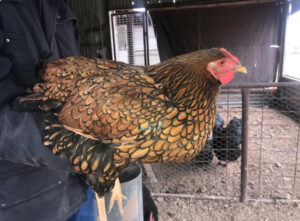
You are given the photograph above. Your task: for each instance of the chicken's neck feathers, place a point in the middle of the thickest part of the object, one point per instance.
(184, 87)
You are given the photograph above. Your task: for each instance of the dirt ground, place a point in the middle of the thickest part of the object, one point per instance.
(273, 174)
(174, 209)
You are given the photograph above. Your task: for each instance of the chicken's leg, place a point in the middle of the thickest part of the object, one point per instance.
(101, 208)
(117, 196)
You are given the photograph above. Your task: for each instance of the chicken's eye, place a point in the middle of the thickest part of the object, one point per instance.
(222, 62)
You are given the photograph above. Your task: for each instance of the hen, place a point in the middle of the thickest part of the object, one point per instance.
(225, 142)
(107, 114)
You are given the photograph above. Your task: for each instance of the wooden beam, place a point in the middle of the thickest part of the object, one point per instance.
(151, 175)
(282, 32)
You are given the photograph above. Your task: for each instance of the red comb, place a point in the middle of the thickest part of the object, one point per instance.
(229, 55)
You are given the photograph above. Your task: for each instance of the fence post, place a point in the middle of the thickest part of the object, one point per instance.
(146, 39)
(244, 163)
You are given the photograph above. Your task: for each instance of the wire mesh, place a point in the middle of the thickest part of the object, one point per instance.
(273, 143)
(129, 42)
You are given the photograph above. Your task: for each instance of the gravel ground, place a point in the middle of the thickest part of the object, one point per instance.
(174, 209)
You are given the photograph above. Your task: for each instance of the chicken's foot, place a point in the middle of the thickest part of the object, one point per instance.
(117, 196)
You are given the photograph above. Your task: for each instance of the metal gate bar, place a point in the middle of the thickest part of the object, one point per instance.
(244, 162)
(198, 197)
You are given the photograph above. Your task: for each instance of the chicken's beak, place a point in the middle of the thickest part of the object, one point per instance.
(241, 69)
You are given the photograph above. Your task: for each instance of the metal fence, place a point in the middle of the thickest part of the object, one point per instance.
(256, 160)
(132, 37)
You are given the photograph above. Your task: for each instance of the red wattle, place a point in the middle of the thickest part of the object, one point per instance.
(226, 78)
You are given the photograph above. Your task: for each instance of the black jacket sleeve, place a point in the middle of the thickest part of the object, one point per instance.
(21, 142)
(20, 132)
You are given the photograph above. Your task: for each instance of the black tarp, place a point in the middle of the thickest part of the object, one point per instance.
(248, 31)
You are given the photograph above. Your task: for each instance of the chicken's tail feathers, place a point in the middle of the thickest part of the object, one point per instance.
(43, 59)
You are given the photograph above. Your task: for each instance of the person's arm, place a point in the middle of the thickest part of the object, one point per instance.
(20, 132)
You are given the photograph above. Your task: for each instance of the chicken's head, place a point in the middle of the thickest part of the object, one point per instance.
(224, 68)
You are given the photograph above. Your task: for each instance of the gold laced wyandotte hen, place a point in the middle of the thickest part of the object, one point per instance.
(108, 114)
